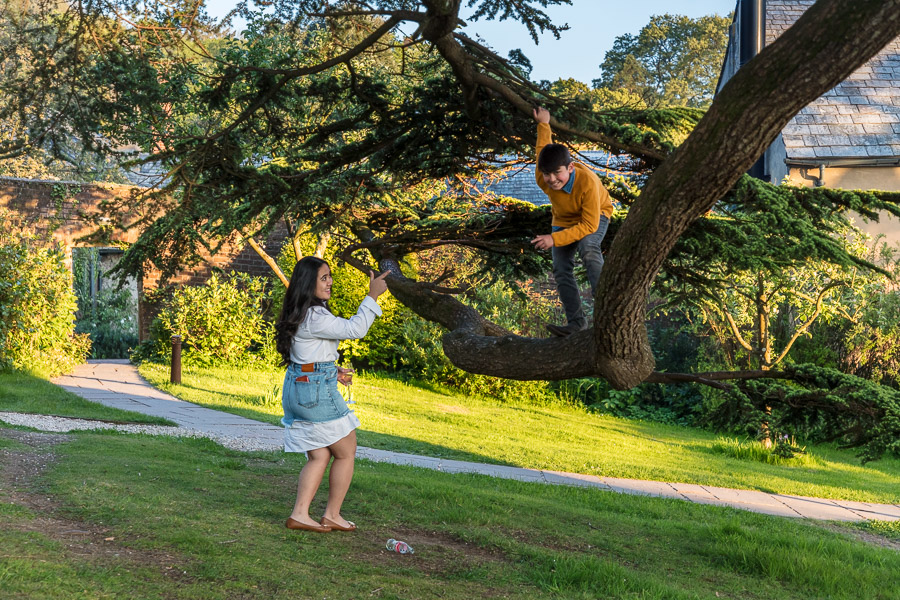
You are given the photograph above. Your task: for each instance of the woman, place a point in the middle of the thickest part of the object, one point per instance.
(316, 418)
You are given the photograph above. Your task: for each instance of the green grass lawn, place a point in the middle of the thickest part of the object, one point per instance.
(187, 519)
(33, 393)
(403, 418)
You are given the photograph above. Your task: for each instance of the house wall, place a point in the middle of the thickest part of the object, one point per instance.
(775, 156)
(858, 178)
(731, 63)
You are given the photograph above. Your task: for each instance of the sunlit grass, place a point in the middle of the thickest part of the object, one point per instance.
(756, 450)
(399, 417)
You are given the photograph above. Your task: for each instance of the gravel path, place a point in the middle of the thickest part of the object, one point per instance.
(66, 424)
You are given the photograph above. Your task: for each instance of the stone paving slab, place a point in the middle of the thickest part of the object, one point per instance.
(881, 512)
(753, 500)
(637, 487)
(819, 508)
(459, 466)
(691, 491)
(398, 458)
(119, 385)
(508, 472)
(576, 479)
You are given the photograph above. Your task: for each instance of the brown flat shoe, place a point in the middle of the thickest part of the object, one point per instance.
(292, 524)
(326, 522)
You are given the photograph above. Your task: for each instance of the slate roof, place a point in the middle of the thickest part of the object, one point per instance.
(859, 118)
(520, 183)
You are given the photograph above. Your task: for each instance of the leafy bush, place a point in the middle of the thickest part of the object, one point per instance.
(672, 404)
(870, 346)
(37, 305)
(221, 321)
(111, 325)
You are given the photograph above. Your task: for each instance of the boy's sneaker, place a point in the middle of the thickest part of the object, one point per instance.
(569, 329)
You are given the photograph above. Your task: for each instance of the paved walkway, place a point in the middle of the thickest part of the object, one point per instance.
(118, 384)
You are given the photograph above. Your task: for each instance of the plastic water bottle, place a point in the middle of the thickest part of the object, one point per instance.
(398, 546)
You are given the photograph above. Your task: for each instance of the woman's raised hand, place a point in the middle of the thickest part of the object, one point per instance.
(377, 285)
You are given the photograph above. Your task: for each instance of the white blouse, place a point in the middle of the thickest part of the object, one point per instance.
(316, 340)
(317, 337)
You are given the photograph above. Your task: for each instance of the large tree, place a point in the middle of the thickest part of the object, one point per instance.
(332, 113)
(241, 159)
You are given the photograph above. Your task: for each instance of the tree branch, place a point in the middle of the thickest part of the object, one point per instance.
(802, 329)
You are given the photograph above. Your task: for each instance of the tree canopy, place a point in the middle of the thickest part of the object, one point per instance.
(673, 61)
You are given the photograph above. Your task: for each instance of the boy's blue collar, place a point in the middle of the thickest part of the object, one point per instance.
(569, 184)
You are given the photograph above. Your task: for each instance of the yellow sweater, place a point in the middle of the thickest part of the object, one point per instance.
(578, 213)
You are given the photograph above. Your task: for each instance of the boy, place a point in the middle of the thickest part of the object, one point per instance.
(581, 211)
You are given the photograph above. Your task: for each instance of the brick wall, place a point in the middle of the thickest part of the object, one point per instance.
(63, 210)
(231, 257)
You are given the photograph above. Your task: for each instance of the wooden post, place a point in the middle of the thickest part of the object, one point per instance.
(175, 375)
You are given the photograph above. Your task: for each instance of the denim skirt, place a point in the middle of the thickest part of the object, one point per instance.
(312, 396)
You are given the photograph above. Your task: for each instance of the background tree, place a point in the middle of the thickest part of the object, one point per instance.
(673, 61)
(47, 129)
(756, 314)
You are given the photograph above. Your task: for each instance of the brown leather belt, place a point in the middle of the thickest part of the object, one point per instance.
(311, 367)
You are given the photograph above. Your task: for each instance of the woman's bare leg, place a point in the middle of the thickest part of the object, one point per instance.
(344, 452)
(310, 479)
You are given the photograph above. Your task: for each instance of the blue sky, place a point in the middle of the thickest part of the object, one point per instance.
(594, 26)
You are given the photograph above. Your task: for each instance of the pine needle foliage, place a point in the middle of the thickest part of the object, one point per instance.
(824, 403)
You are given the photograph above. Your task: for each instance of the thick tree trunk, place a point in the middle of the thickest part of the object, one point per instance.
(830, 41)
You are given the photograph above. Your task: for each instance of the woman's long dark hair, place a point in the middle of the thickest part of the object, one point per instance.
(299, 297)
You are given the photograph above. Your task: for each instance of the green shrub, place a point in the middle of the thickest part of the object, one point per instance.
(221, 321)
(111, 325)
(37, 305)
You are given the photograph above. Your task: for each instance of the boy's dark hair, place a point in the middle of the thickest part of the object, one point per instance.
(552, 157)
